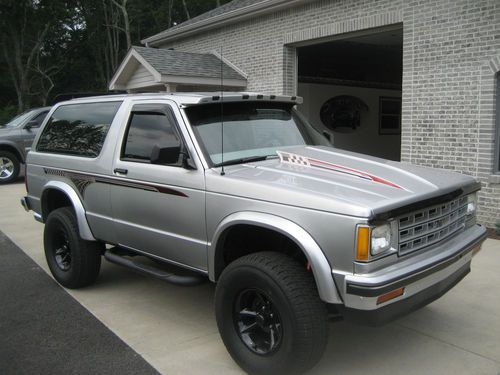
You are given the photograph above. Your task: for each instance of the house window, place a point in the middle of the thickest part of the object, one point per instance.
(497, 116)
(389, 115)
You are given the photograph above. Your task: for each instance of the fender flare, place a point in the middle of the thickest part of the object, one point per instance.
(322, 270)
(83, 225)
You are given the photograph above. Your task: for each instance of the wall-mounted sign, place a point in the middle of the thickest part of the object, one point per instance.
(342, 113)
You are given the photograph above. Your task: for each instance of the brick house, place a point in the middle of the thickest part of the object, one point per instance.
(422, 77)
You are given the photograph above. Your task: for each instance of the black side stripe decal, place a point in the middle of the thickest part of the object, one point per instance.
(82, 181)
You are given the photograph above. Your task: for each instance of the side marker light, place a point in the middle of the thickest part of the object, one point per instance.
(391, 295)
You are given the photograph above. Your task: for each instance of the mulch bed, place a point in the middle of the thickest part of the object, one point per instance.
(492, 234)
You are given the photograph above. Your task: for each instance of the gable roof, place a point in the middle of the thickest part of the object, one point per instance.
(232, 12)
(172, 62)
(165, 66)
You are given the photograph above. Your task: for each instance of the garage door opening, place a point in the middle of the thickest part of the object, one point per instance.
(352, 89)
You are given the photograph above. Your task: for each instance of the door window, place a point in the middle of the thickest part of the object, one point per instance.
(147, 129)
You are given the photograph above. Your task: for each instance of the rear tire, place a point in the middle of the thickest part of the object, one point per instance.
(269, 314)
(9, 167)
(73, 262)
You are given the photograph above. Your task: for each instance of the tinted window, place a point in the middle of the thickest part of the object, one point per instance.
(78, 129)
(37, 120)
(146, 130)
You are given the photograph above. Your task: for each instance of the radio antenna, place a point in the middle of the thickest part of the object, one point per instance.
(222, 173)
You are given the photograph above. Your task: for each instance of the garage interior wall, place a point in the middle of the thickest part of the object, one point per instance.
(364, 139)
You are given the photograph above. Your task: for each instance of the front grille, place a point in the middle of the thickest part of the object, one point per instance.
(428, 226)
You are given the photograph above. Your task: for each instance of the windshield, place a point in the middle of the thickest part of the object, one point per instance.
(251, 130)
(19, 119)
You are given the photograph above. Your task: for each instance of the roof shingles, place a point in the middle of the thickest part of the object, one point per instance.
(223, 9)
(228, 7)
(177, 63)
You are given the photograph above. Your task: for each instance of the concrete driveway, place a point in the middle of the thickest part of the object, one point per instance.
(174, 328)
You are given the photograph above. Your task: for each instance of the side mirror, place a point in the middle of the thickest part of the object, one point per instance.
(31, 124)
(166, 155)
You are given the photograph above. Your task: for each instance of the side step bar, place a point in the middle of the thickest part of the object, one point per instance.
(190, 280)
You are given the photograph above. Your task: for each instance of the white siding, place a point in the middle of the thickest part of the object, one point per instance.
(140, 78)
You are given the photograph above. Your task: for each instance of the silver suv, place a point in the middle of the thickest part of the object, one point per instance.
(16, 138)
(242, 191)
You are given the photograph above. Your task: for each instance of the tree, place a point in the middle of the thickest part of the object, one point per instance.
(184, 4)
(20, 45)
(50, 47)
(126, 22)
(25, 28)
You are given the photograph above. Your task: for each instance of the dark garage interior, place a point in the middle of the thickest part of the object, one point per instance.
(352, 88)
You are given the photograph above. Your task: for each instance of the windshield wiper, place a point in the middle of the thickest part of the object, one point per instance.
(248, 159)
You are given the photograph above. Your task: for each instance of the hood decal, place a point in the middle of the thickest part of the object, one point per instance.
(289, 158)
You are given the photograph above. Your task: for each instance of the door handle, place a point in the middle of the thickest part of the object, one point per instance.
(121, 170)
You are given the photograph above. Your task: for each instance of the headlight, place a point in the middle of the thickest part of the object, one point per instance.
(373, 241)
(470, 213)
(471, 205)
(381, 239)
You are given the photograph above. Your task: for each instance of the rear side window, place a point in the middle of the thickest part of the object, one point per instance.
(78, 129)
(147, 129)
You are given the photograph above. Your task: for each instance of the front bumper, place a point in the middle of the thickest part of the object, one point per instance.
(424, 278)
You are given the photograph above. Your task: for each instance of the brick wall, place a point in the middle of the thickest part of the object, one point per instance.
(448, 90)
(451, 55)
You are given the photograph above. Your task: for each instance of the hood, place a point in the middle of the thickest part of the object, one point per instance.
(4, 130)
(338, 181)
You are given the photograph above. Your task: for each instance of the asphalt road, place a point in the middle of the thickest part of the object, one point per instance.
(174, 330)
(43, 330)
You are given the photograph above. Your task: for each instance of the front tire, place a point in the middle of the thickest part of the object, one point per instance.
(73, 262)
(269, 314)
(9, 167)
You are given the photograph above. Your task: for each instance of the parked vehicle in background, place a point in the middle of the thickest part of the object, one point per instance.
(288, 227)
(16, 138)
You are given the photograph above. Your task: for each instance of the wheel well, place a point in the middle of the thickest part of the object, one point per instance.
(53, 199)
(13, 150)
(244, 239)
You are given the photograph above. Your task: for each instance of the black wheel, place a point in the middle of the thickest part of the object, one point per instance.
(269, 314)
(9, 167)
(73, 262)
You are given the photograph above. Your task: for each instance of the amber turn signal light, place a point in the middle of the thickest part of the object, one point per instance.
(391, 295)
(363, 243)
